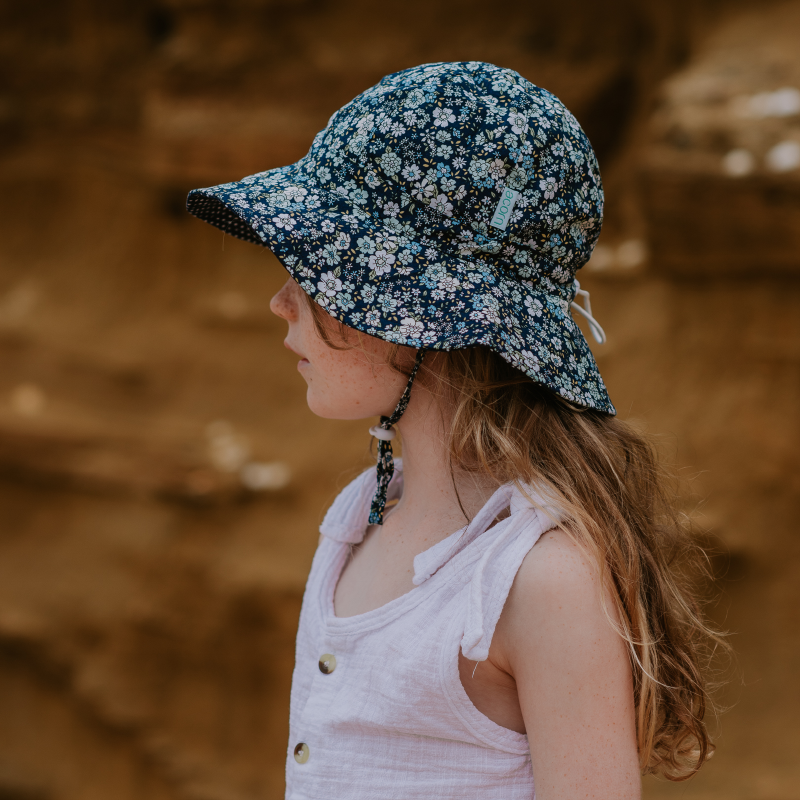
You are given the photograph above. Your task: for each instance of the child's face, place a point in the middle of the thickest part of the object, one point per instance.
(354, 383)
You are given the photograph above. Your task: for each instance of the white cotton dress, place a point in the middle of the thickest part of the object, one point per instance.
(387, 717)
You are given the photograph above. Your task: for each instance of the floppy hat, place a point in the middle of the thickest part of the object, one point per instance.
(449, 205)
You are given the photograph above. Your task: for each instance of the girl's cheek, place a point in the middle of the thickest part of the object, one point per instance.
(341, 386)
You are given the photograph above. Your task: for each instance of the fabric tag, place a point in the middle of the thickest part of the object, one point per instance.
(504, 209)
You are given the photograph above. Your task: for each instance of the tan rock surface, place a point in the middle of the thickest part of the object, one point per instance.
(148, 598)
(721, 174)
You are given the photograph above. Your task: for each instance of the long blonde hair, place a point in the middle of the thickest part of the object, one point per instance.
(620, 511)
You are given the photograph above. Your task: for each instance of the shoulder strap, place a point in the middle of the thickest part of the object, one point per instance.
(346, 519)
(498, 566)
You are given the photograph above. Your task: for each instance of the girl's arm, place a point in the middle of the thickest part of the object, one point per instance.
(573, 677)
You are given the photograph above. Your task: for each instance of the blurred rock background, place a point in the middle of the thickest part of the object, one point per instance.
(160, 483)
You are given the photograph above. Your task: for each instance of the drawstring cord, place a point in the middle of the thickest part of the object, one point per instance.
(384, 433)
(586, 311)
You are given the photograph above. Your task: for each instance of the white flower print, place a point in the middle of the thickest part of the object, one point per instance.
(295, 193)
(329, 284)
(423, 190)
(365, 122)
(449, 283)
(412, 172)
(384, 123)
(357, 144)
(284, 221)
(518, 122)
(391, 209)
(412, 328)
(415, 98)
(342, 241)
(497, 169)
(381, 262)
(327, 226)
(385, 241)
(443, 117)
(442, 205)
(530, 360)
(534, 306)
(549, 186)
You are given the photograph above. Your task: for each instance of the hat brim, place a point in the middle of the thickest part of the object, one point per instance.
(436, 300)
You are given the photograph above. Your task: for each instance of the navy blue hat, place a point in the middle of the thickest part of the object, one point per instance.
(450, 205)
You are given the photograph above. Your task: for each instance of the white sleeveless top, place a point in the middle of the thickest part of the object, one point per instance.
(389, 718)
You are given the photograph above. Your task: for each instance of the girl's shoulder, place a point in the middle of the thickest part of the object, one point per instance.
(558, 604)
(554, 570)
(558, 638)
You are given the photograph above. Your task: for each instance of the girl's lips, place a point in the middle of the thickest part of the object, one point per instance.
(289, 347)
(303, 360)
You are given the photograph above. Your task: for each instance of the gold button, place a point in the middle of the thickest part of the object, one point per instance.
(327, 663)
(301, 753)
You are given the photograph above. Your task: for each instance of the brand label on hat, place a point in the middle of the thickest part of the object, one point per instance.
(504, 209)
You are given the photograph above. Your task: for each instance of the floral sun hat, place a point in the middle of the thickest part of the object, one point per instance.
(450, 205)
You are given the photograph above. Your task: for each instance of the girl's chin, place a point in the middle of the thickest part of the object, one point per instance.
(302, 363)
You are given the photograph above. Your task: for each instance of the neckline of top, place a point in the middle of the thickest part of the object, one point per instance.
(352, 527)
(347, 520)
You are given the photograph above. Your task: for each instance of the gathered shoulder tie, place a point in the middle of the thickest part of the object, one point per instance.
(511, 540)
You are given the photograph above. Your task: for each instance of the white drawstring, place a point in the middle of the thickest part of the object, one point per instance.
(384, 435)
(586, 311)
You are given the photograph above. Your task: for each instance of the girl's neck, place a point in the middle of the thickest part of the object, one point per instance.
(431, 505)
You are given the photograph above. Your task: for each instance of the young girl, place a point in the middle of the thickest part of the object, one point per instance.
(498, 611)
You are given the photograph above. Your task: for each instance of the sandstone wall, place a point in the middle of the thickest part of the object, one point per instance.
(160, 478)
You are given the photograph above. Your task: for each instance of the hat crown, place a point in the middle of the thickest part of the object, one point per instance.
(437, 147)
(448, 206)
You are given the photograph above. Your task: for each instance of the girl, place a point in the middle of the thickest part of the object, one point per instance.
(498, 610)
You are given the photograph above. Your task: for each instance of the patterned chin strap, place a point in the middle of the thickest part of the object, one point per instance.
(384, 433)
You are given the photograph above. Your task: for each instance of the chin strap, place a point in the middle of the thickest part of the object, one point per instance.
(586, 311)
(384, 433)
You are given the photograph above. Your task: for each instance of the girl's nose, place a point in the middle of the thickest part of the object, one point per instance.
(284, 302)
